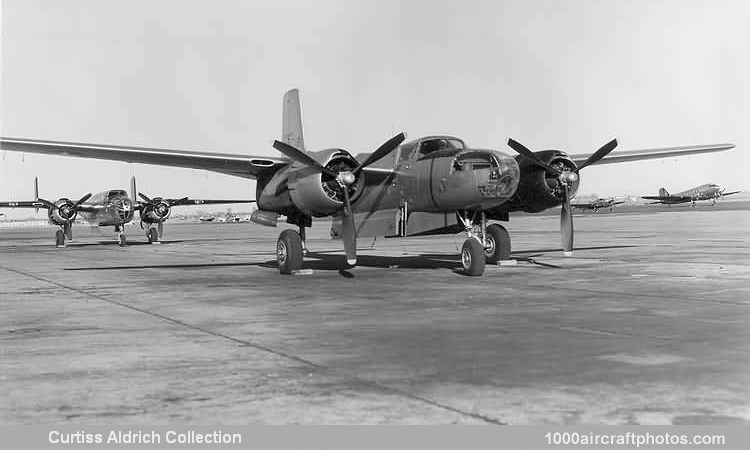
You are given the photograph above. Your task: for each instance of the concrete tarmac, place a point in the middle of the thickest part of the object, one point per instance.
(646, 324)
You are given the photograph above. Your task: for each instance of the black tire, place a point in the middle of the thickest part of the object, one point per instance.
(289, 251)
(60, 238)
(498, 244)
(473, 258)
(153, 235)
(121, 240)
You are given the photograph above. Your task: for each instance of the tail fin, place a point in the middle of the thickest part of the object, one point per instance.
(663, 193)
(133, 191)
(291, 127)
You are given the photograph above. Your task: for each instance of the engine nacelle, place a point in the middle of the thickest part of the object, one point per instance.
(539, 190)
(155, 212)
(304, 188)
(64, 213)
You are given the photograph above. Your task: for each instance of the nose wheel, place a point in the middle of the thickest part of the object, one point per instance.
(120, 236)
(484, 244)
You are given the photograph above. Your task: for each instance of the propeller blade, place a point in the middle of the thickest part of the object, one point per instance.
(387, 147)
(83, 199)
(520, 148)
(178, 202)
(599, 154)
(302, 157)
(566, 223)
(349, 232)
(143, 196)
(160, 229)
(47, 203)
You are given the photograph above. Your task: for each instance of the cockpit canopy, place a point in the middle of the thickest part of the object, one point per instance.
(426, 146)
(116, 195)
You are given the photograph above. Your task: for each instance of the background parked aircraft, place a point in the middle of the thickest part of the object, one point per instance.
(431, 185)
(711, 192)
(111, 208)
(598, 204)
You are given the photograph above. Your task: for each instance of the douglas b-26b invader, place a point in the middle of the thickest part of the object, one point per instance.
(599, 203)
(431, 185)
(110, 208)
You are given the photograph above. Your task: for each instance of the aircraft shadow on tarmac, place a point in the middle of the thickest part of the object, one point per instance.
(332, 261)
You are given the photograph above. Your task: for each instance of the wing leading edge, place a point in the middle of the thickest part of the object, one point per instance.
(226, 163)
(653, 153)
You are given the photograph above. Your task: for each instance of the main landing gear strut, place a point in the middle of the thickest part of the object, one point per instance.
(484, 244)
(154, 232)
(65, 232)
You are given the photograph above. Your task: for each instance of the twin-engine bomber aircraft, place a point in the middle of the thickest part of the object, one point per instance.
(599, 203)
(433, 185)
(111, 208)
(711, 192)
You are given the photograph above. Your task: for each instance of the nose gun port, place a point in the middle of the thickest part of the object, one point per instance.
(502, 179)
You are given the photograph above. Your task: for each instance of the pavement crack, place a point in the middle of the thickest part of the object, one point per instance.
(280, 353)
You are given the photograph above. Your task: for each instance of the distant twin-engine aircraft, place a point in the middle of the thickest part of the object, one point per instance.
(432, 185)
(711, 192)
(598, 204)
(111, 208)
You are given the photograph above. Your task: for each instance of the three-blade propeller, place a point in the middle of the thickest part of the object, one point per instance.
(67, 211)
(345, 180)
(565, 178)
(160, 207)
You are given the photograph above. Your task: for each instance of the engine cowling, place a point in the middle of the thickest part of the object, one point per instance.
(318, 194)
(65, 212)
(156, 211)
(539, 190)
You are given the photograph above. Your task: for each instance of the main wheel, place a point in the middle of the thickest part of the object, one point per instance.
(121, 241)
(472, 257)
(153, 235)
(498, 244)
(60, 238)
(289, 251)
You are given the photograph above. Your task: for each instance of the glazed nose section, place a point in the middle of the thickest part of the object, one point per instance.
(502, 178)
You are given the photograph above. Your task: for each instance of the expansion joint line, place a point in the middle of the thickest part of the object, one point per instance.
(246, 343)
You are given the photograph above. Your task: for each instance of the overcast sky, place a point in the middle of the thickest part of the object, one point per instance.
(209, 76)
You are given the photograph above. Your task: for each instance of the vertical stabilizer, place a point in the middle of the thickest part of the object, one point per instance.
(133, 192)
(291, 127)
(663, 193)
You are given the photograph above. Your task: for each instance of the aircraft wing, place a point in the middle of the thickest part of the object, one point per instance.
(23, 204)
(196, 201)
(652, 153)
(730, 193)
(670, 198)
(231, 164)
(582, 205)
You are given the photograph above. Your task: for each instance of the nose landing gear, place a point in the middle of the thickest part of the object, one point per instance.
(120, 236)
(484, 244)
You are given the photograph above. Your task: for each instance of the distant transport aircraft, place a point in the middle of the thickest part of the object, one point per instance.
(206, 219)
(111, 208)
(598, 204)
(711, 192)
(431, 185)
